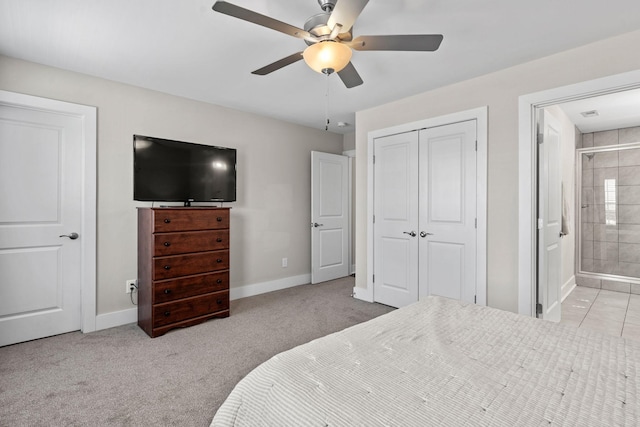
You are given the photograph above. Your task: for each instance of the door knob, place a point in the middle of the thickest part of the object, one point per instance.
(410, 233)
(315, 224)
(423, 234)
(72, 236)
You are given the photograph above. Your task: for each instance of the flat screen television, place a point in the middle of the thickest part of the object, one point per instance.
(174, 171)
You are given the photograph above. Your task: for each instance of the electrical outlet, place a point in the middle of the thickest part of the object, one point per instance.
(285, 261)
(131, 286)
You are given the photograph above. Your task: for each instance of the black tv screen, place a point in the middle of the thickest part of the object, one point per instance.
(174, 171)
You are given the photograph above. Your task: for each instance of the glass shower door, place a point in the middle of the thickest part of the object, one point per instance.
(610, 212)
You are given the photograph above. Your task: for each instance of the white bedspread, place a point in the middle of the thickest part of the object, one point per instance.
(442, 362)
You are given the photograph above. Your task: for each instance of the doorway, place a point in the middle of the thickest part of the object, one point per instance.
(425, 210)
(47, 219)
(479, 116)
(528, 174)
(330, 216)
(595, 193)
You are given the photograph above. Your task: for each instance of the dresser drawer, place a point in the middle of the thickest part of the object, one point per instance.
(169, 290)
(184, 265)
(166, 220)
(192, 241)
(172, 312)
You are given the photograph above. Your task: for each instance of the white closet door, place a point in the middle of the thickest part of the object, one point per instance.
(447, 265)
(396, 219)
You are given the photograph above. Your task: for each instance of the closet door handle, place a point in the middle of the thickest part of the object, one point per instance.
(72, 236)
(423, 234)
(410, 233)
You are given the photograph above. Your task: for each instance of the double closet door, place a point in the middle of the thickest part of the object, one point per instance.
(425, 214)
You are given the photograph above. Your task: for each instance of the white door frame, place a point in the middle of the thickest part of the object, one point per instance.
(478, 114)
(88, 116)
(351, 154)
(527, 174)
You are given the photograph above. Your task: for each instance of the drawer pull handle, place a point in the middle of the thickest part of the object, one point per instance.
(167, 220)
(167, 244)
(219, 260)
(167, 267)
(167, 313)
(167, 291)
(219, 281)
(219, 219)
(219, 301)
(218, 240)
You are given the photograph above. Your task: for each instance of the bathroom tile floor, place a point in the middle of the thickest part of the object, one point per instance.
(610, 312)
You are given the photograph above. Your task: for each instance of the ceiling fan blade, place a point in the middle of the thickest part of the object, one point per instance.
(350, 76)
(265, 21)
(345, 13)
(413, 42)
(278, 64)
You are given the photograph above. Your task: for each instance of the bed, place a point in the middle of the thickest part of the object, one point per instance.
(444, 362)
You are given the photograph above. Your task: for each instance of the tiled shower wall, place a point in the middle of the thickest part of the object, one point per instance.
(610, 209)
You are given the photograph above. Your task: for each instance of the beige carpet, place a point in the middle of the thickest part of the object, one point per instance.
(121, 377)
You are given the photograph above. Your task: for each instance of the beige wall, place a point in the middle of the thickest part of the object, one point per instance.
(269, 221)
(499, 91)
(349, 141)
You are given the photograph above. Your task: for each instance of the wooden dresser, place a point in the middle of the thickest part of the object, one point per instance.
(183, 267)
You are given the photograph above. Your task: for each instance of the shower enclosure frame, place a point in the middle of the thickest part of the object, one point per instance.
(579, 214)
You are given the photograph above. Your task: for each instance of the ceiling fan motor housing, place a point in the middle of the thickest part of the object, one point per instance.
(317, 25)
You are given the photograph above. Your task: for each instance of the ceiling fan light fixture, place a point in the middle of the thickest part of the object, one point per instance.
(327, 56)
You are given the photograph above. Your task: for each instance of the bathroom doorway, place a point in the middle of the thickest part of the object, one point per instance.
(600, 254)
(529, 106)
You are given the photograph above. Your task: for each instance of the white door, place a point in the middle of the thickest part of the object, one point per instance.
(425, 214)
(396, 219)
(549, 218)
(447, 264)
(41, 195)
(329, 216)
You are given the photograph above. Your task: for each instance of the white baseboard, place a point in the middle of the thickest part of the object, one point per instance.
(116, 318)
(270, 286)
(568, 286)
(130, 315)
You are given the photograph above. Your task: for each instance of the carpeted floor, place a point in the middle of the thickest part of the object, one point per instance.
(121, 377)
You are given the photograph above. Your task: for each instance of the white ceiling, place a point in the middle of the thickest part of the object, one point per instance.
(184, 48)
(615, 111)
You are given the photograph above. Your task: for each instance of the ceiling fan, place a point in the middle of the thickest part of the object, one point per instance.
(329, 36)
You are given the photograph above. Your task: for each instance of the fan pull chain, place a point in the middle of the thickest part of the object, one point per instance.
(326, 105)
